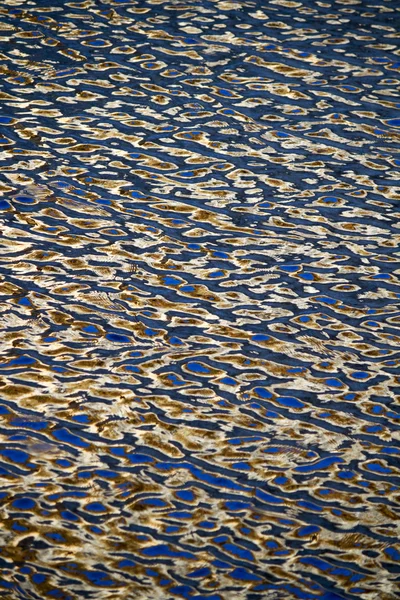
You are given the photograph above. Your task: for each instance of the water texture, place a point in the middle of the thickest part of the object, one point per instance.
(200, 300)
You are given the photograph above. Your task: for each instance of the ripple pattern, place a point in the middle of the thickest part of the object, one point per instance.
(200, 300)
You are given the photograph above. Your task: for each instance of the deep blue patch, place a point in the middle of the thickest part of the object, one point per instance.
(95, 507)
(197, 367)
(24, 503)
(17, 456)
(118, 338)
(260, 337)
(290, 402)
(244, 575)
(64, 435)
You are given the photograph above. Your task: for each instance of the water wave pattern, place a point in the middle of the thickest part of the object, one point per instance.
(200, 300)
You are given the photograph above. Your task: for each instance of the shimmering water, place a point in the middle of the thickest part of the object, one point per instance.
(200, 300)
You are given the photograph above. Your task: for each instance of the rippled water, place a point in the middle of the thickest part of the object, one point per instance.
(200, 300)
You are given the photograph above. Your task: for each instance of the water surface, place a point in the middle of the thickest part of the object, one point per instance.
(200, 300)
